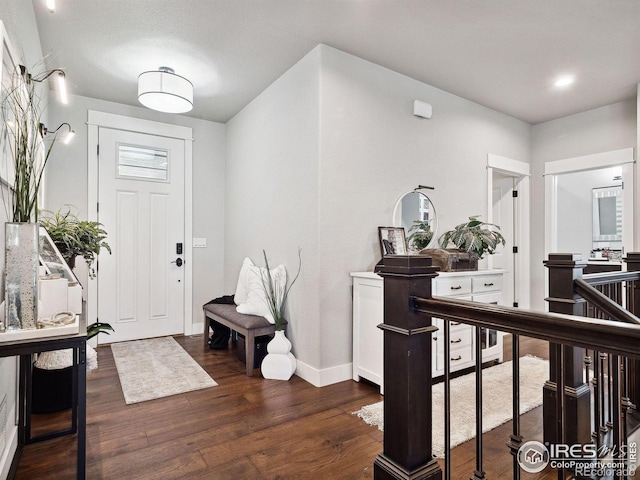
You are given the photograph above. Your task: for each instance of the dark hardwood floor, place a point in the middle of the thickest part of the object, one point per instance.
(245, 428)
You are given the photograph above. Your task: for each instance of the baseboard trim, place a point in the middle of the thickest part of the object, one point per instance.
(196, 329)
(326, 376)
(8, 456)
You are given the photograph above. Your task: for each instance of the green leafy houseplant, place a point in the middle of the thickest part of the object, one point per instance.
(98, 327)
(275, 292)
(473, 237)
(421, 236)
(75, 237)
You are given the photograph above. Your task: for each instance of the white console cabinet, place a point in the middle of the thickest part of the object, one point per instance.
(368, 295)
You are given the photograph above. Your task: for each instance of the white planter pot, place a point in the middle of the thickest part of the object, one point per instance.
(279, 364)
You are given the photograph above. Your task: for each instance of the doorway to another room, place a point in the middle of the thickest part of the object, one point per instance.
(508, 183)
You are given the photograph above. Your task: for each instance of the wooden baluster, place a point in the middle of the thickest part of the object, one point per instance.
(478, 473)
(447, 400)
(515, 440)
(595, 434)
(603, 388)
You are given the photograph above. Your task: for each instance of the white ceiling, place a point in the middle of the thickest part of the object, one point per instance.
(504, 54)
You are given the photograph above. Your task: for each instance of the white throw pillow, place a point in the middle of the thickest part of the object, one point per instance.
(242, 288)
(256, 303)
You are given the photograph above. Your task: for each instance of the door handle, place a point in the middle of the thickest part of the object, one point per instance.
(178, 262)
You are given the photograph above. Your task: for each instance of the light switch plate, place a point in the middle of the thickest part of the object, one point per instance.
(199, 243)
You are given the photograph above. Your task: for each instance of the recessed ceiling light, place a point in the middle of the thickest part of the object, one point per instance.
(564, 81)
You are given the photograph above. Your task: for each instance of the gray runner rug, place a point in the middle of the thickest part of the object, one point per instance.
(155, 368)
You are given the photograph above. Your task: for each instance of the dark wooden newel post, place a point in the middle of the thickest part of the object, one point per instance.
(564, 268)
(633, 294)
(407, 373)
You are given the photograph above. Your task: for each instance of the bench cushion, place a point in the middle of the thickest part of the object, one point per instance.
(240, 319)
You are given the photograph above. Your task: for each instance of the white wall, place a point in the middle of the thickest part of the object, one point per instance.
(336, 137)
(66, 184)
(272, 194)
(603, 129)
(373, 150)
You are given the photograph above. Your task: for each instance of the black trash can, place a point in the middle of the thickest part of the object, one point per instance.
(51, 390)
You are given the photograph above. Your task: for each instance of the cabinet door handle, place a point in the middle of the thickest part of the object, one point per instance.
(459, 287)
(455, 323)
(459, 357)
(488, 284)
(457, 340)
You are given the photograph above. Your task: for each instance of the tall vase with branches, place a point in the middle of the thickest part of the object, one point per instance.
(27, 156)
(279, 364)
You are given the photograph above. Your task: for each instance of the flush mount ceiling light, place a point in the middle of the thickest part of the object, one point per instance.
(165, 91)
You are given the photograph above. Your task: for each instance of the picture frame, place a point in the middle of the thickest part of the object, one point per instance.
(51, 259)
(392, 241)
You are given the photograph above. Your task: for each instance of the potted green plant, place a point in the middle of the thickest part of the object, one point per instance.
(420, 235)
(473, 237)
(75, 237)
(279, 364)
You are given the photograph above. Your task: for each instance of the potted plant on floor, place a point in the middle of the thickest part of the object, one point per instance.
(279, 364)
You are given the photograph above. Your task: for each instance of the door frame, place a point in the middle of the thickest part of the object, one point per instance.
(623, 157)
(522, 172)
(98, 119)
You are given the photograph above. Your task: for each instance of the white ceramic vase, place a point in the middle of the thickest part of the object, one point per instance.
(279, 364)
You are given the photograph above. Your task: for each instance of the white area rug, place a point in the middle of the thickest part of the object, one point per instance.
(496, 401)
(155, 368)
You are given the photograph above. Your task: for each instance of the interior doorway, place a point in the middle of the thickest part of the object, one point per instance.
(508, 183)
(620, 162)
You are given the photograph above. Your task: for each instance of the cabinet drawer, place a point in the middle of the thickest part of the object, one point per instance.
(494, 297)
(487, 283)
(446, 287)
(454, 326)
(458, 359)
(458, 341)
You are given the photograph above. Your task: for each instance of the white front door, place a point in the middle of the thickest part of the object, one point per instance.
(141, 205)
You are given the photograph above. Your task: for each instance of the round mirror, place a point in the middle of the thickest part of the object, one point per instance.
(415, 212)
